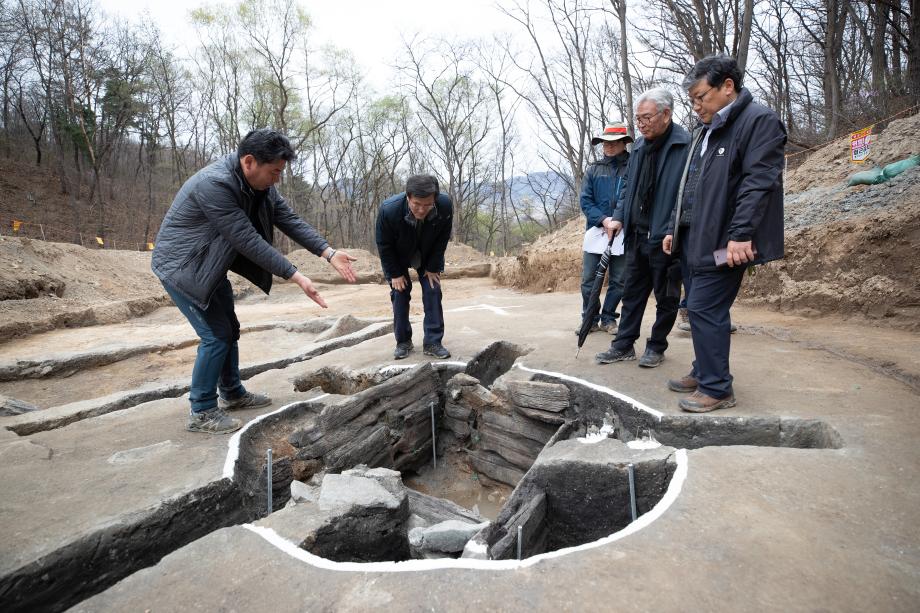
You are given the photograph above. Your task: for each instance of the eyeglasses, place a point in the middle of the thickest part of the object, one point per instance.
(642, 120)
(699, 99)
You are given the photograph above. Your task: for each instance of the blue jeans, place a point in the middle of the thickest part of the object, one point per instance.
(217, 365)
(614, 294)
(434, 315)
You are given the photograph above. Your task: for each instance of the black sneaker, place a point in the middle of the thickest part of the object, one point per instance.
(402, 350)
(437, 350)
(651, 359)
(615, 355)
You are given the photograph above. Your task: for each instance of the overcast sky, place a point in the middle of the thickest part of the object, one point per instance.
(371, 30)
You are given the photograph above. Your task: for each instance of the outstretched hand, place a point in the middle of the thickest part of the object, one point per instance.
(308, 288)
(341, 261)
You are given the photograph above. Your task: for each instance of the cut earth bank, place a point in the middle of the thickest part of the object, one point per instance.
(747, 527)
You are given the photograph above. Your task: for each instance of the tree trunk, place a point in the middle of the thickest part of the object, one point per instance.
(913, 52)
(624, 64)
(745, 42)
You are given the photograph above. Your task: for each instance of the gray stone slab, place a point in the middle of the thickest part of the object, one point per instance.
(346, 491)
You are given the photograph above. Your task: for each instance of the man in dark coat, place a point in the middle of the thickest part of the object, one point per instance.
(413, 229)
(643, 214)
(223, 219)
(604, 181)
(729, 216)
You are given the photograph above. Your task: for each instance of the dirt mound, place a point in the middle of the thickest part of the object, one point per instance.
(831, 164)
(865, 266)
(551, 263)
(51, 285)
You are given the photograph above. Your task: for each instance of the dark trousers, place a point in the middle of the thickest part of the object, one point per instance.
(217, 365)
(434, 315)
(646, 271)
(708, 304)
(614, 293)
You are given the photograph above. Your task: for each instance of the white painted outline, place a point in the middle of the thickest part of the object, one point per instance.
(291, 549)
(233, 451)
(600, 388)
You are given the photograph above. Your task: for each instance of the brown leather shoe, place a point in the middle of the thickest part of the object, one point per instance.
(698, 402)
(684, 385)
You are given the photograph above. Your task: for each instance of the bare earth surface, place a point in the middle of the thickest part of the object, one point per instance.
(830, 333)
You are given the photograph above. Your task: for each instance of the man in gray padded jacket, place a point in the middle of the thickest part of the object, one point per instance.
(223, 219)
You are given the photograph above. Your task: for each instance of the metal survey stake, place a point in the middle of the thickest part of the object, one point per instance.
(268, 480)
(632, 490)
(520, 542)
(434, 440)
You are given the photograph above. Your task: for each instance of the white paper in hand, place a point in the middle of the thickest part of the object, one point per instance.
(596, 242)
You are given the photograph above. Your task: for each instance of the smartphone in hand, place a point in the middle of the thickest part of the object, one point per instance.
(721, 255)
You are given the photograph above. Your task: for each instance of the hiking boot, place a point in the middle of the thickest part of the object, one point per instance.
(249, 400)
(437, 350)
(214, 421)
(698, 402)
(615, 355)
(651, 358)
(610, 327)
(594, 328)
(402, 350)
(684, 385)
(683, 320)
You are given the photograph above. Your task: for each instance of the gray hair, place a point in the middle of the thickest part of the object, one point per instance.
(660, 96)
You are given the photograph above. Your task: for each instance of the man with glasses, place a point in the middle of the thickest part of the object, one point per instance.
(223, 219)
(729, 216)
(642, 213)
(413, 229)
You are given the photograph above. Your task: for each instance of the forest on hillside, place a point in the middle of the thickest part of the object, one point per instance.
(99, 104)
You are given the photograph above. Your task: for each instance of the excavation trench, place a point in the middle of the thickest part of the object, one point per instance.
(554, 454)
(523, 460)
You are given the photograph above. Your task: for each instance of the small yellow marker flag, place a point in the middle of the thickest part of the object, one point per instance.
(100, 241)
(16, 225)
(149, 246)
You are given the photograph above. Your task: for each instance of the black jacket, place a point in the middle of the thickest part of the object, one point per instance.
(739, 195)
(218, 223)
(671, 160)
(397, 239)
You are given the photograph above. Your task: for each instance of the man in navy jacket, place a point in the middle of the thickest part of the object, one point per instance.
(730, 207)
(413, 229)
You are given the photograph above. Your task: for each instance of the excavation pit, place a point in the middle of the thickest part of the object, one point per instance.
(565, 447)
